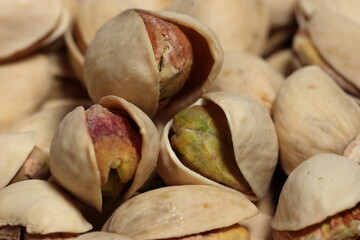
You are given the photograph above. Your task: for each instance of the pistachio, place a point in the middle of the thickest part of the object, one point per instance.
(173, 54)
(117, 145)
(102, 235)
(202, 141)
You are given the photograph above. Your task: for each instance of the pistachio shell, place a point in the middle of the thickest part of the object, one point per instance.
(250, 75)
(14, 148)
(313, 115)
(104, 75)
(239, 25)
(41, 207)
(21, 31)
(102, 236)
(259, 226)
(282, 13)
(24, 86)
(76, 57)
(331, 187)
(179, 211)
(72, 156)
(283, 62)
(341, 53)
(251, 128)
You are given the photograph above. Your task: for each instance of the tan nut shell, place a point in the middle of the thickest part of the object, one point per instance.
(342, 53)
(313, 115)
(254, 141)
(282, 13)
(322, 186)
(102, 236)
(24, 85)
(14, 149)
(41, 207)
(72, 154)
(120, 61)
(240, 25)
(25, 23)
(250, 75)
(179, 211)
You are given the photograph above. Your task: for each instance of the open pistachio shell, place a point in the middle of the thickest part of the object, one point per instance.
(250, 75)
(178, 211)
(41, 207)
(14, 148)
(251, 128)
(320, 187)
(102, 236)
(22, 31)
(24, 86)
(313, 115)
(120, 61)
(72, 155)
(346, 8)
(239, 25)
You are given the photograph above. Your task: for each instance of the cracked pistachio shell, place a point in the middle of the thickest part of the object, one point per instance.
(120, 61)
(72, 154)
(320, 187)
(178, 211)
(22, 31)
(347, 8)
(313, 115)
(14, 148)
(24, 86)
(251, 128)
(46, 120)
(250, 75)
(239, 25)
(102, 236)
(41, 207)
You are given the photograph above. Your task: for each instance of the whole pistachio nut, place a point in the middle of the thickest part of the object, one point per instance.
(313, 115)
(164, 65)
(338, 56)
(44, 210)
(178, 212)
(97, 235)
(239, 25)
(250, 75)
(213, 143)
(21, 159)
(24, 86)
(324, 190)
(347, 8)
(114, 144)
(22, 32)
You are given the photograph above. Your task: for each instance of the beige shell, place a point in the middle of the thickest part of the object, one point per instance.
(283, 61)
(14, 148)
(282, 13)
(250, 75)
(72, 154)
(346, 8)
(251, 128)
(102, 236)
(41, 207)
(239, 25)
(76, 57)
(25, 23)
(259, 226)
(24, 86)
(322, 186)
(313, 115)
(179, 211)
(125, 40)
(46, 120)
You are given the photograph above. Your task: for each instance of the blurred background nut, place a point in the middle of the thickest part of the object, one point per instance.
(239, 25)
(37, 209)
(213, 142)
(181, 212)
(114, 144)
(324, 190)
(330, 42)
(313, 115)
(116, 64)
(248, 74)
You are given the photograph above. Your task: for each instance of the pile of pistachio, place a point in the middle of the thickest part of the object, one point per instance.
(179, 119)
